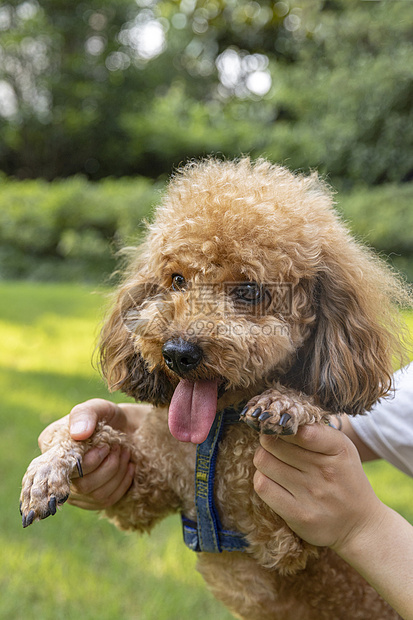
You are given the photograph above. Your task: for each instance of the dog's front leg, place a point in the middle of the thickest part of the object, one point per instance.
(46, 483)
(281, 411)
(155, 490)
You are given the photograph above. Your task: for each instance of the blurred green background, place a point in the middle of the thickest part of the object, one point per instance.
(100, 100)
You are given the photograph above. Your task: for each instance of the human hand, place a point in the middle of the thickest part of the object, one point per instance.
(108, 474)
(315, 481)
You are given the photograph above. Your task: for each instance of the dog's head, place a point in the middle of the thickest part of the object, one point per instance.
(247, 276)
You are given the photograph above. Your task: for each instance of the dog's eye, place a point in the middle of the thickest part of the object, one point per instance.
(250, 292)
(178, 282)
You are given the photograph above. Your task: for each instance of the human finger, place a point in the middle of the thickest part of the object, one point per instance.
(286, 452)
(110, 492)
(92, 460)
(275, 495)
(84, 417)
(315, 438)
(115, 488)
(111, 470)
(277, 471)
(89, 503)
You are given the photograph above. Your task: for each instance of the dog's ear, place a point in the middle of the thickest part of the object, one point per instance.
(120, 363)
(347, 363)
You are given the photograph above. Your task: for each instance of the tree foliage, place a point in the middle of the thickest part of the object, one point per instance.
(72, 229)
(124, 87)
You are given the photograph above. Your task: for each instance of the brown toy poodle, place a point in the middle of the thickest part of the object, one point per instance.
(248, 309)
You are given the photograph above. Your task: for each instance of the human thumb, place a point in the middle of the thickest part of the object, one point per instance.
(82, 421)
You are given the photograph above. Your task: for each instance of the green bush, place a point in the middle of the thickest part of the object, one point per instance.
(383, 218)
(69, 229)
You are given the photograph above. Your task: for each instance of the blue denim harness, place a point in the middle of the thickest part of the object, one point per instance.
(207, 534)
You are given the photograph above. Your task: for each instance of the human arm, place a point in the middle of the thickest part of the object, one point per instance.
(315, 482)
(107, 474)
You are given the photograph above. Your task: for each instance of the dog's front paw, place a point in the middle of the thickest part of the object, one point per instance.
(277, 412)
(46, 484)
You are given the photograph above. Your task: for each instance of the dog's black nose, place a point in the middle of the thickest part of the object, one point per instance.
(181, 356)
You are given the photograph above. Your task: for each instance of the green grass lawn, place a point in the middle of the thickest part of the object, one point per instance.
(75, 564)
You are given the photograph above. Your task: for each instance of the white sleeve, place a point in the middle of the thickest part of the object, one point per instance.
(388, 428)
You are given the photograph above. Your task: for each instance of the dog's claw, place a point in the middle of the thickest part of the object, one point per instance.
(244, 411)
(63, 499)
(285, 418)
(256, 413)
(52, 505)
(264, 416)
(79, 467)
(28, 519)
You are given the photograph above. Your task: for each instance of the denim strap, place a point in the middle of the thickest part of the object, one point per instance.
(228, 540)
(207, 533)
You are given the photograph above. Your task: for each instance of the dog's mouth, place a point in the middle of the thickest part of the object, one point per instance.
(192, 409)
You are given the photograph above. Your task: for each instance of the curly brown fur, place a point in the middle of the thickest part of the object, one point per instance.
(249, 271)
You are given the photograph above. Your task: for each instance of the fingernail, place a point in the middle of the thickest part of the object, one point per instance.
(78, 427)
(104, 451)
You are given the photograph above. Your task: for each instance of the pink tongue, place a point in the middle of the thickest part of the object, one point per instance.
(192, 410)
